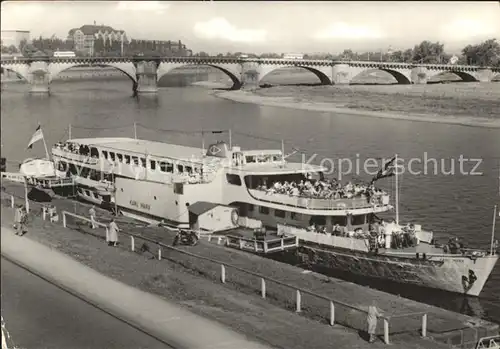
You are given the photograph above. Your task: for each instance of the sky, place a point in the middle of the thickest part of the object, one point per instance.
(272, 26)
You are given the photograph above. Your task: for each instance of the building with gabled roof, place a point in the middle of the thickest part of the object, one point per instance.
(84, 38)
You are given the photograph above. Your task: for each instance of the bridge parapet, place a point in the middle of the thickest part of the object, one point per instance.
(145, 71)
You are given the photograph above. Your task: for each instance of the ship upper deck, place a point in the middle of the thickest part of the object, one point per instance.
(216, 156)
(142, 147)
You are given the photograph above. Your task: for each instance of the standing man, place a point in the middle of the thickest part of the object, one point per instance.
(24, 221)
(92, 217)
(372, 319)
(113, 233)
(17, 218)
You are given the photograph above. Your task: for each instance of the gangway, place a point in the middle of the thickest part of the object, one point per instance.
(266, 245)
(491, 342)
(45, 182)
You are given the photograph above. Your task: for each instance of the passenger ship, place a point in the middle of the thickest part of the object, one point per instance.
(153, 181)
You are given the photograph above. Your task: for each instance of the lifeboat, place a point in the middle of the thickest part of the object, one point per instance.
(38, 168)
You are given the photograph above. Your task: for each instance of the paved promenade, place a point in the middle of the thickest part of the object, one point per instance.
(166, 321)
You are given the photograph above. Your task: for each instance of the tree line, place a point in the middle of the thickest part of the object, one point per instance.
(486, 53)
(102, 48)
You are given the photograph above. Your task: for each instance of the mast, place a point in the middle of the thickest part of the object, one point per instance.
(69, 132)
(230, 140)
(135, 130)
(202, 143)
(397, 189)
(45, 145)
(493, 230)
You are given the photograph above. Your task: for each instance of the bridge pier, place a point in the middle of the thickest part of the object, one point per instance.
(484, 75)
(40, 82)
(341, 74)
(146, 75)
(250, 76)
(419, 75)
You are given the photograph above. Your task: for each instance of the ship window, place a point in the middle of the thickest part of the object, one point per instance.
(180, 168)
(153, 164)
(62, 166)
(340, 220)
(250, 207)
(279, 213)
(178, 188)
(170, 168)
(112, 156)
(358, 219)
(189, 169)
(72, 169)
(143, 162)
(84, 171)
(276, 158)
(250, 159)
(119, 157)
(135, 159)
(295, 216)
(163, 166)
(95, 175)
(319, 220)
(264, 210)
(127, 159)
(105, 154)
(94, 152)
(233, 179)
(95, 195)
(87, 192)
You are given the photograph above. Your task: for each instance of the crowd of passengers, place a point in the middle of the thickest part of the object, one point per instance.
(378, 232)
(323, 189)
(75, 148)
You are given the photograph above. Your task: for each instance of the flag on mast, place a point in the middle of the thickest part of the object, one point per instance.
(38, 135)
(387, 171)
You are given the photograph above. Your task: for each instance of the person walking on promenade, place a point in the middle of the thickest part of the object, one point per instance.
(372, 318)
(18, 214)
(24, 221)
(92, 217)
(113, 233)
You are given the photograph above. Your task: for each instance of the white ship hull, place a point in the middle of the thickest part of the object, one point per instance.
(157, 182)
(448, 273)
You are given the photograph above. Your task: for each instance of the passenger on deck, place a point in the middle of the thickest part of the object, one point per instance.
(337, 231)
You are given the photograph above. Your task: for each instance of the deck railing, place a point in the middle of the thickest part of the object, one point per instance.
(331, 304)
(315, 203)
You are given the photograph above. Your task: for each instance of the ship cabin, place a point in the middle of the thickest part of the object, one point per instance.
(280, 192)
(103, 159)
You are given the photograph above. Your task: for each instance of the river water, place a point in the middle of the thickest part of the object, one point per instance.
(449, 204)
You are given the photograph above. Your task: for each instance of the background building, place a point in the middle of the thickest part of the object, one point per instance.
(91, 39)
(14, 37)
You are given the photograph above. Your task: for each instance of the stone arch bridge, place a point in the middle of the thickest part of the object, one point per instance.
(145, 72)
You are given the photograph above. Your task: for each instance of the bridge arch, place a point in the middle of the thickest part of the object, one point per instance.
(465, 76)
(401, 77)
(126, 68)
(323, 73)
(234, 75)
(20, 70)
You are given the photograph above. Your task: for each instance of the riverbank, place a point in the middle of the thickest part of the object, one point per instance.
(182, 280)
(191, 283)
(471, 104)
